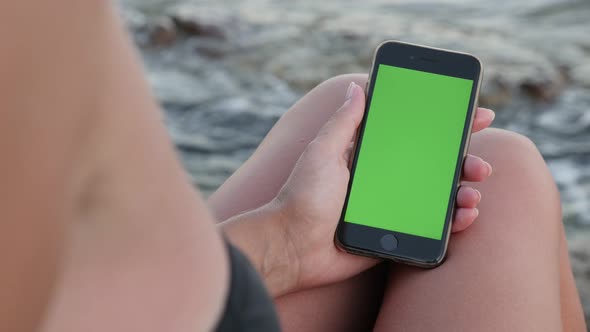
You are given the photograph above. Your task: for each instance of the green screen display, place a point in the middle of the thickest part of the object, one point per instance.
(407, 160)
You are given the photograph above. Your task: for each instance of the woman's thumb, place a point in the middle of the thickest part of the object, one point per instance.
(339, 131)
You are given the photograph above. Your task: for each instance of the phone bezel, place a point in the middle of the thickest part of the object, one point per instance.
(411, 249)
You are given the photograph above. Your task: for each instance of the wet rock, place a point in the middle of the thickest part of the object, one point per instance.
(213, 50)
(198, 22)
(545, 90)
(581, 74)
(496, 92)
(162, 32)
(174, 86)
(571, 124)
(542, 91)
(134, 20)
(566, 72)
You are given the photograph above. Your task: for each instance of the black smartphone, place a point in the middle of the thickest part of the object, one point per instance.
(408, 159)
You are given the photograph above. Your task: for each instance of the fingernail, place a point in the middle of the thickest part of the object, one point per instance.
(350, 91)
(493, 115)
(476, 212)
(478, 195)
(489, 168)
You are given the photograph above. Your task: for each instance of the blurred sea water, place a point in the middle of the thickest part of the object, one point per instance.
(226, 70)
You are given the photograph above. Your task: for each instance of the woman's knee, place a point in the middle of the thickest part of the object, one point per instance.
(496, 143)
(521, 184)
(515, 159)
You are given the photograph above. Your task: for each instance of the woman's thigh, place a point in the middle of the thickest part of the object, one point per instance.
(348, 306)
(503, 273)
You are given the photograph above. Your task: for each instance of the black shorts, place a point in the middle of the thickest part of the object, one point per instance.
(248, 306)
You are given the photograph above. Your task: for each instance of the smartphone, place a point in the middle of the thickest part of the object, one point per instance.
(409, 155)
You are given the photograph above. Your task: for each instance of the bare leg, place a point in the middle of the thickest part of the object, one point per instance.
(508, 272)
(572, 315)
(259, 180)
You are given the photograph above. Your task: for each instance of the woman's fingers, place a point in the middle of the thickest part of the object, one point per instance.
(468, 197)
(466, 211)
(464, 217)
(336, 134)
(475, 169)
(483, 119)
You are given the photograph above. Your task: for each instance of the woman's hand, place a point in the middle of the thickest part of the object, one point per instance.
(291, 239)
(314, 194)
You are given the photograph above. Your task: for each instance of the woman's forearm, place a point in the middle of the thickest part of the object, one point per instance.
(261, 236)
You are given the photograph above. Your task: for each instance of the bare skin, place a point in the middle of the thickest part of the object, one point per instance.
(101, 231)
(464, 275)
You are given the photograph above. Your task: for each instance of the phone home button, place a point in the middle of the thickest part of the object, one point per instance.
(389, 242)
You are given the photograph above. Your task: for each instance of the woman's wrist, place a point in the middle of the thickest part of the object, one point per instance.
(262, 237)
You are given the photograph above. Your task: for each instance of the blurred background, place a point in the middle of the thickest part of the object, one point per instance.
(226, 70)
